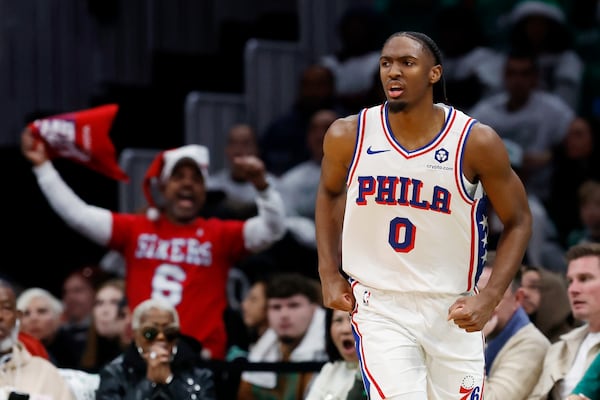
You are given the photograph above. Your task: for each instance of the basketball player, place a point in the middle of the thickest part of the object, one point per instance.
(400, 186)
(174, 255)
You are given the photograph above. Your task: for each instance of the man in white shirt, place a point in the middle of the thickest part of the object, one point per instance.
(568, 358)
(537, 120)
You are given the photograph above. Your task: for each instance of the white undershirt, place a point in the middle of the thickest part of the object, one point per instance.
(95, 223)
(579, 365)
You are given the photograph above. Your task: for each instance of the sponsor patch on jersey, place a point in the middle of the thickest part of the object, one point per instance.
(441, 155)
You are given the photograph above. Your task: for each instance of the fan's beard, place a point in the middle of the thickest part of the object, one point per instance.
(396, 106)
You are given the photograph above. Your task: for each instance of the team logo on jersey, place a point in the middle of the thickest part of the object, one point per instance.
(468, 389)
(441, 155)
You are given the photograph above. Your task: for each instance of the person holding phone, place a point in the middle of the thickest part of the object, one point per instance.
(158, 363)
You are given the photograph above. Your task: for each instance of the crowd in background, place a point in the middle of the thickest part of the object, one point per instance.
(529, 69)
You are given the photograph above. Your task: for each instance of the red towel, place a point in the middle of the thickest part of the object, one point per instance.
(82, 136)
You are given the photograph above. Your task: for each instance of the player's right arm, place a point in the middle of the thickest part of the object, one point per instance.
(95, 223)
(338, 150)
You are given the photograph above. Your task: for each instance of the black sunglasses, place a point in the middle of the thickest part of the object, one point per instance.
(151, 333)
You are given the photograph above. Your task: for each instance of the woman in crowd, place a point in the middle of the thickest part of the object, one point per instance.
(41, 318)
(340, 378)
(254, 318)
(110, 331)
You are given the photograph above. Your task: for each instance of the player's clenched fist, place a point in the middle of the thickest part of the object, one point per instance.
(471, 313)
(337, 294)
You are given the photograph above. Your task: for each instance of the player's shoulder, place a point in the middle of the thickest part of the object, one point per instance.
(344, 122)
(466, 117)
(480, 128)
(483, 137)
(343, 127)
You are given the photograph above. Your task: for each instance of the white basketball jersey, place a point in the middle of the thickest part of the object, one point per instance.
(412, 221)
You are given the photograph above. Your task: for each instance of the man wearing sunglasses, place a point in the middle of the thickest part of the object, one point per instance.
(157, 365)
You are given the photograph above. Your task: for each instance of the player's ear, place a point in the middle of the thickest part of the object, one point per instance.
(435, 74)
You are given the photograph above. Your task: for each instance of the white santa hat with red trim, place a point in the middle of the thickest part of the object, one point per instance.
(162, 167)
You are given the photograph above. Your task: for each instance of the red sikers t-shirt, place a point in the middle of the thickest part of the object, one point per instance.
(187, 265)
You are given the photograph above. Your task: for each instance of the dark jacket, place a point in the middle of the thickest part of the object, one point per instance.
(125, 378)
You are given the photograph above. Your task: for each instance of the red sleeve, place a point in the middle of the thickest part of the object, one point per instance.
(231, 239)
(122, 225)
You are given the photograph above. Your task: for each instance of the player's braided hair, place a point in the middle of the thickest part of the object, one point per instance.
(439, 88)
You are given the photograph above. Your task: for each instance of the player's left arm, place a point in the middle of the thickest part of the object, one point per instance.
(486, 160)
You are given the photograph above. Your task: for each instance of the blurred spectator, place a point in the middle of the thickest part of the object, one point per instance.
(567, 359)
(472, 68)
(296, 333)
(83, 385)
(250, 322)
(78, 293)
(544, 248)
(545, 300)
(283, 144)
(520, 113)
(494, 17)
(239, 200)
(541, 27)
(514, 348)
(407, 15)
(575, 161)
(158, 364)
(584, 18)
(170, 252)
(110, 332)
(589, 214)
(254, 316)
(19, 370)
(340, 377)
(358, 57)
(41, 314)
(299, 184)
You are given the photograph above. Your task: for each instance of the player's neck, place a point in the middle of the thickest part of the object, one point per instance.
(415, 127)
